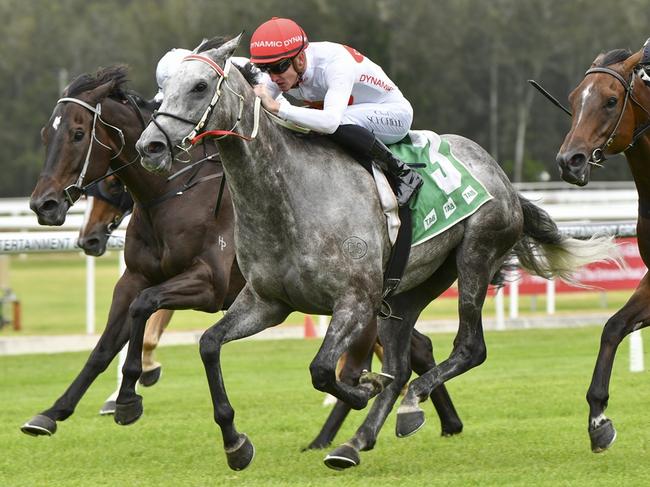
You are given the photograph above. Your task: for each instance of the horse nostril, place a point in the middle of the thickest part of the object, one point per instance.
(155, 148)
(577, 160)
(49, 205)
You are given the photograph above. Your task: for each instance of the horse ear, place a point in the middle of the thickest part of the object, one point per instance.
(633, 61)
(598, 60)
(228, 48)
(102, 91)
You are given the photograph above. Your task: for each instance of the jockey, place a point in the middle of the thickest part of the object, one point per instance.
(358, 104)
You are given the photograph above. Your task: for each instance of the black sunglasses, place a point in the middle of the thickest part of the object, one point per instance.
(276, 68)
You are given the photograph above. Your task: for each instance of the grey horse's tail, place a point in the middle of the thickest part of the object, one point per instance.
(545, 252)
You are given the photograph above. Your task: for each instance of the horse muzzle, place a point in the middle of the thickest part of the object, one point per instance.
(155, 155)
(574, 167)
(50, 209)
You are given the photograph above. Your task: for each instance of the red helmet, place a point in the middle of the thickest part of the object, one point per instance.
(277, 39)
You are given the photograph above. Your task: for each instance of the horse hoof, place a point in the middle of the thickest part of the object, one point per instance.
(409, 422)
(128, 413)
(451, 429)
(241, 455)
(602, 437)
(39, 425)
(107, 408)
(342, 457)
(377, 381)
(150, 377)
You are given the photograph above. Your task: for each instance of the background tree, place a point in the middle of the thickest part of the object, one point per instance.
(463, 64)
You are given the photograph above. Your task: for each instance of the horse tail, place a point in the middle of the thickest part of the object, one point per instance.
(545, 252)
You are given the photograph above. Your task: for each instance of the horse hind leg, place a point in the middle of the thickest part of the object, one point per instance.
(634, 315)
(151, 369)
(422, 361)
(476, 265)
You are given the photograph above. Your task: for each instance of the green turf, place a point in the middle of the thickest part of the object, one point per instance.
(524, 412)
(51, 289)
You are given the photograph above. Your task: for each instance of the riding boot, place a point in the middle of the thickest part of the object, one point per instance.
(407, 181)
(364, 146)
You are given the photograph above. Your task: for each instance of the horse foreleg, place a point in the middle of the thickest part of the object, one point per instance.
(157, 323)
(396, 337)
(355, 360)
(633, 316)
(194, 289)
(112, 340)
(247, 316)
(350, 317)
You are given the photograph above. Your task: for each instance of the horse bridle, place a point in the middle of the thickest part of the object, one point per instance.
(123, 202)
(196, 133)
(598, 154)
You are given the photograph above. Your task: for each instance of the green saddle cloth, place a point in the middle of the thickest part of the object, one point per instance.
(449, 193)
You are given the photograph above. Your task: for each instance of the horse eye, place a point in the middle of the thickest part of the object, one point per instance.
(611, 102)
(200, 86)
(78, 135)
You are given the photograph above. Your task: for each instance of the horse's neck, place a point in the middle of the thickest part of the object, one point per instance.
(142, 184)
(637, 158)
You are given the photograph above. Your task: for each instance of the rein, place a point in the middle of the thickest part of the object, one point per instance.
(598, 154)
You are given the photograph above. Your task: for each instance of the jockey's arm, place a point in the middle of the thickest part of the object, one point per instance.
(340, 81)
(339, 88)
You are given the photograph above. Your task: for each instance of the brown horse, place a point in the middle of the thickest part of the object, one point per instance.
(108, 203)
(611, 115)
(188, 266)
(178, 255)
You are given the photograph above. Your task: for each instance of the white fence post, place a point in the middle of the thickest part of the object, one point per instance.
(636, 352)
(550, 296)
(90, 295)
(498, 303)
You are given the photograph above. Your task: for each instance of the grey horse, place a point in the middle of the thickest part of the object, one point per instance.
(311, 236)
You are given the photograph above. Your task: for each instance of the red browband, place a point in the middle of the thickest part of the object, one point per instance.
(206, 60)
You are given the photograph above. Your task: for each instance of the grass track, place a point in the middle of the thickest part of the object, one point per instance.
(524, 412)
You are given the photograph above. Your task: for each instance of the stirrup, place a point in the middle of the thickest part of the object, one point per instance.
(385, 311)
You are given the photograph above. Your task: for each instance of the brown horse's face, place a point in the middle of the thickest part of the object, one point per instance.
(67, 139)
(597, 103)
(109, 204)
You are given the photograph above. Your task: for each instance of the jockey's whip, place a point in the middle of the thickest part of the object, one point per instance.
(549, 96)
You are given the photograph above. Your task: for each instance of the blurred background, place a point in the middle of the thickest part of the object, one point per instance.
(463, 64)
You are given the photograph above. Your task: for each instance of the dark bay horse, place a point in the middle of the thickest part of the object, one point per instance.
(108, 203)
(178, 255)
(307, 198)
(611, 114)
(174, 260)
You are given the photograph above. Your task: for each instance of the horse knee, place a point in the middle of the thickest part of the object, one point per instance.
(143, 306)
(321, 376)
(210, 346)
(471, 354)
(613, 332)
